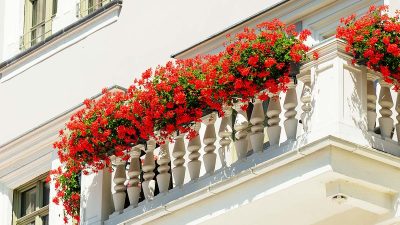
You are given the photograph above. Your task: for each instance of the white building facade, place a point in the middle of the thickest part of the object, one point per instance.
(338, 166)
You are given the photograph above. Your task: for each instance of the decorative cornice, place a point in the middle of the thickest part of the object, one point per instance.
(221, 33)
(288, 11)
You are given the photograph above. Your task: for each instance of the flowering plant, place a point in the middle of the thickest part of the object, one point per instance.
(173, 97)
(66, 182)
(102, 128)
(374, 39)
(262, 60)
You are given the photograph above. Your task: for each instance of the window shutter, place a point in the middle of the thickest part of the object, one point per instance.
(26, 37)
(83, 7)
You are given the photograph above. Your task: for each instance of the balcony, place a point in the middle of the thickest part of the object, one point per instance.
(36, 34)
(86, 7)
(324, 152)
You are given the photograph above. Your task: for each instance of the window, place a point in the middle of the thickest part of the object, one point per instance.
(31, 203)
(89, 6)
(38, 21)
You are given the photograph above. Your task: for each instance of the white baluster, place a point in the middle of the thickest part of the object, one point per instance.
(194, 146)
(163, 177)
(225, 133)
(257, 130)
(386, 102)
(290, 106)
(398, 117)
(273, 129)
(133, 174)
(119, 180)
(209, 157)
(178, 152)
(371, 101)
(306, 96)
(148, 169)
(241, 125)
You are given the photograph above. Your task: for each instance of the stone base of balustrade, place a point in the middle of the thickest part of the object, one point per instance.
(115, 214)
(344, 136)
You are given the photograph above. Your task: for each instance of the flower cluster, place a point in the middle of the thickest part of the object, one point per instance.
(67, 190)
(103, 127)
(260, 59)
(374, 40)
(171, 98)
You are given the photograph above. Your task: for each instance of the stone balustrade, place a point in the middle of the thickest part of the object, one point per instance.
(164, 165)
(360, 99)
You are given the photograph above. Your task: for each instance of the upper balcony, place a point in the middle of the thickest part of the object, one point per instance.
(328, 145)
(50, 26)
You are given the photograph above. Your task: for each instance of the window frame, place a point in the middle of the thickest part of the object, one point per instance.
(39, 211)
(44, 13)
(85, 9)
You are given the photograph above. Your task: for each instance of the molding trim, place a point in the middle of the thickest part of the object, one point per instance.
(60, 40)
(30, 155)
(288, 11)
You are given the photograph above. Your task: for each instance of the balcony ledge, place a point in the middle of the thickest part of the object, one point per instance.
(58, 41)
(246, 170)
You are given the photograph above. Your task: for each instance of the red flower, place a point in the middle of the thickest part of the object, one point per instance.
(315, 55)
(373, 39)
(269, 62)
(386, 40)
(253, 60)
(244, 71)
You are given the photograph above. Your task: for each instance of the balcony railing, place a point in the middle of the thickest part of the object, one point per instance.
(36, 34)
(86, 7)
(329, 97)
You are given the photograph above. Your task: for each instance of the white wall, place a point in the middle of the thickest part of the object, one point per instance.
(146, 34)
(13, 23)
(66, 14)
(2, 7)
(6, 196)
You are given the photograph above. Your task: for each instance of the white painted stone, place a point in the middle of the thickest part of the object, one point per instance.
(274, 129)
(225, 133)
(178, 153)
(193, 148)
(133, 175)
(209, 157)
(290, 105)
(386, 102)
(257, 129)
(163, 178)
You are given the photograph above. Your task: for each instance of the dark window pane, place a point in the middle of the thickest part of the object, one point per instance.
(46, 193)
(55, 7)
(28, 201)
(91, 6)
(45, 220)
(34, 12)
